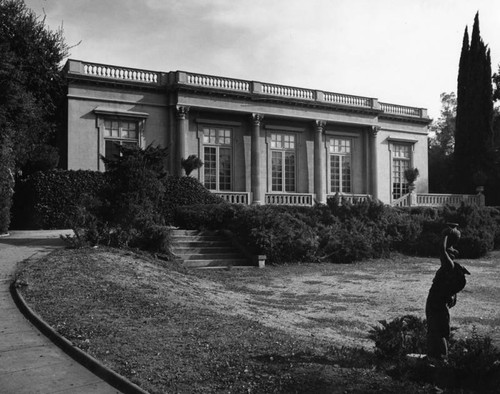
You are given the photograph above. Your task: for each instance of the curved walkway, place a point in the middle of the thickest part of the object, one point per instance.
(29, 362)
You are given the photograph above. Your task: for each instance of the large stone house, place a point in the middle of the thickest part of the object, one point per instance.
(261, 143)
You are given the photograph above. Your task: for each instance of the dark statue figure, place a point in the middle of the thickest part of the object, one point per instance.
(448, 281)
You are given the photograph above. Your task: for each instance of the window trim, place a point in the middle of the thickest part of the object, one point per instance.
(103, 114)
(392, 142)
(328, 140)
(201, 151)
(281, 131)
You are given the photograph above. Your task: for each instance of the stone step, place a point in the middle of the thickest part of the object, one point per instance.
(202, 250)
(215, 263)
(211, 256)
(197, 237)
(202, 244)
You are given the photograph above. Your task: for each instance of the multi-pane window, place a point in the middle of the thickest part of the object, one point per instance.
(119, 132)
(217, 158)
(340, 165)
(401, 160)
(283, 162)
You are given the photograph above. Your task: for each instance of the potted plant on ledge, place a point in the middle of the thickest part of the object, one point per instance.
(411, 175)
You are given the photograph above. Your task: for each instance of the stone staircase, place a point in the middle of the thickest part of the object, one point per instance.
(206, 250)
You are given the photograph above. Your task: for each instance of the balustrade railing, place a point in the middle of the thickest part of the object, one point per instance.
(218, 82)
(234, 197)
(290, 199)
(238, 85)
(346, 99)
(401, 110)
(127, 74)
(438, 200)
(433, 200)
(352, 198)
(286, 91)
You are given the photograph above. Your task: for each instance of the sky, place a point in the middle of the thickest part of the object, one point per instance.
(400, 51)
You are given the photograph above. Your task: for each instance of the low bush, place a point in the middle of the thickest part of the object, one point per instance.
(473, 363)
(50, 199)
(399, 337)
(205, 216)
(184, 190)
(342, 233)
(476, 363)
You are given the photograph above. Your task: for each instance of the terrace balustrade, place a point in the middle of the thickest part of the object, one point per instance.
(237, 85)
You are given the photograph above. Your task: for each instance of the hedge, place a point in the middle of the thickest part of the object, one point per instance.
(48, 200)
(345, 233)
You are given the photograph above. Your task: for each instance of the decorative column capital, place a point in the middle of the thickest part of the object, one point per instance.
(257, 119)
(320, 125)
(374, 130)
(182, 112)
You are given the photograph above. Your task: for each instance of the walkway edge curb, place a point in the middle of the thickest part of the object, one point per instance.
(93, 365)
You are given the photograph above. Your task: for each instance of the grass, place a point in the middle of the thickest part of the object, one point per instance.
(287, 329)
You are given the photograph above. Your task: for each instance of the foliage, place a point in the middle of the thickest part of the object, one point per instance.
(190, 164)
(181, 191)
(345, 233)
(31, 86)
(474, 135)
(411, 175)
(132, 200)
(6, 182)
(473, 363)
(401, 336)
(441, 145)
(51, 199)
(30, 77)
(476, 363)
(205, 216)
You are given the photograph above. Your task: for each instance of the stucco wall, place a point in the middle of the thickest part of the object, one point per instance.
(83, 139)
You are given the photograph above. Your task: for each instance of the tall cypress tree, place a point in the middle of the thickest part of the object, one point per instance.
(473, 133)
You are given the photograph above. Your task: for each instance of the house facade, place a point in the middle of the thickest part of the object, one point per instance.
(260, 143)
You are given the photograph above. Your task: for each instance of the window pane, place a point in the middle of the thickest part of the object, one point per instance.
(335, 173)
(111, 149)
(346, 174)
(289, 171)
(225, 136)
(276, 171)
(224, 169)
(210, 168)
(275, 141)
(209, 136)
(338, 145)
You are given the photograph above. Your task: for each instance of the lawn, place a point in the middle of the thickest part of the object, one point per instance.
(295, 328)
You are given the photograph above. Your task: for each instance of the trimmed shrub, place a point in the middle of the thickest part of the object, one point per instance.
(50, 199)
(181, 191)
(205, 216)
(278, 234)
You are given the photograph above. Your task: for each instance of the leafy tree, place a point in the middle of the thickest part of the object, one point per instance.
(441, 145)
(473, 136)
(31, 87)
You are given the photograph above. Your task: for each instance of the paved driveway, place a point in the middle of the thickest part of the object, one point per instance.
(29, 362)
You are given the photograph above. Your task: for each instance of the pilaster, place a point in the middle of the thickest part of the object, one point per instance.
(319, 163)
(182, 113)
(256, 183)
(373, 162)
